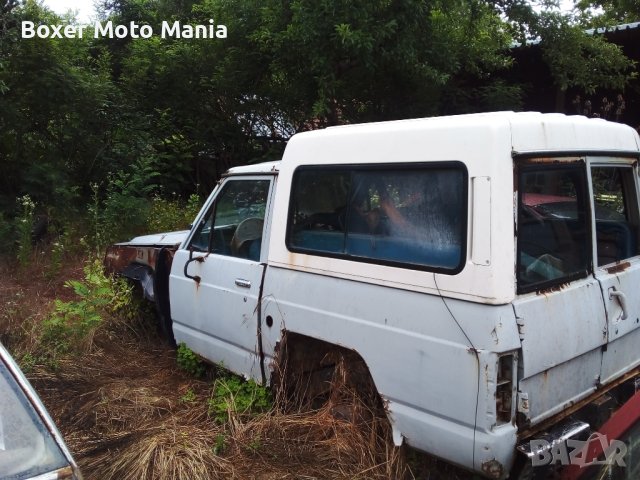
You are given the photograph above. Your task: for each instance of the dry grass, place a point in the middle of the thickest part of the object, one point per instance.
(126, 420)
(124, 411)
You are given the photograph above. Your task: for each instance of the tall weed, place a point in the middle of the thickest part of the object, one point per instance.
(72, 324)
(24, 228)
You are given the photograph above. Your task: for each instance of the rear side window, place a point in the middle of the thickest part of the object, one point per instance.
(616, 213)
(408, 215)
(554, 232)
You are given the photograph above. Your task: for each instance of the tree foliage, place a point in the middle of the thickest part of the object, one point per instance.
(55, 113)
(604, 13)
(168, 116)
(576, 59)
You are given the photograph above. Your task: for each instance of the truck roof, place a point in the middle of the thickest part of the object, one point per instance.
(452, 137)
(449, 136)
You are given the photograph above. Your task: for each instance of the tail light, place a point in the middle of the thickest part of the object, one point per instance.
(504, 388)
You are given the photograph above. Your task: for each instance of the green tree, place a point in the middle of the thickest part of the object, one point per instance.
(605, 13)
(88, 111)
(54, 112)
(331, 62)
(577, 59)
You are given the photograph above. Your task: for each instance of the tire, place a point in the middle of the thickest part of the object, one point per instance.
(161, 291)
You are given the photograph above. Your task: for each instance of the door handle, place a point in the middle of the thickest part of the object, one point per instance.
(243, 283)
(622, 300)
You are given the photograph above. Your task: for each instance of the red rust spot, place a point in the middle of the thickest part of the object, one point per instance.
(492, 468)
(119, 257)
(618, 267)
(552, 289)
(550, 160)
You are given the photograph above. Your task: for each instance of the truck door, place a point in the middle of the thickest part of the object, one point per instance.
(559, 309)
(615, 198)
(216, 276)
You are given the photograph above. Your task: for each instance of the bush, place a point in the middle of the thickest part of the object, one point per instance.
(124, 210)
(72, 325)
(172, 214)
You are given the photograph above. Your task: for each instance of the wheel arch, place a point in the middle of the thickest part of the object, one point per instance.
(308, 372)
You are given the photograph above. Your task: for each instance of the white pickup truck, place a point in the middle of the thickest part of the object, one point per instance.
(484, 268)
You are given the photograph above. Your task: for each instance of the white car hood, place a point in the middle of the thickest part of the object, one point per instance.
(160, 239)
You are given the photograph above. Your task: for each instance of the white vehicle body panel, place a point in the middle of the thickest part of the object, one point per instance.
(622, 314)
(432, 341)
(485, 149)
(569, 325)
(218, 318)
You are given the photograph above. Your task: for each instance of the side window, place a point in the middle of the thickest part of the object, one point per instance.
(616, 213)
(554, 243)
(233, 226)
(408, 215)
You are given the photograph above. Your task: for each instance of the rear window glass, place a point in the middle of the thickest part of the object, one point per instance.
(406, 215)
(554, 242)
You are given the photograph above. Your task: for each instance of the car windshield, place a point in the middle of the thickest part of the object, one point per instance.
(27, 448)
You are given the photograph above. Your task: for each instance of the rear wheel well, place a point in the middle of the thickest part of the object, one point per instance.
(310, 372)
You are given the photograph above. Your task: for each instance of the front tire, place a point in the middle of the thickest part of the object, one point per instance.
(161, 291)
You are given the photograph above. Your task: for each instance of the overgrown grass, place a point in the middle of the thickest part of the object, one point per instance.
(128, 411)
(126, 205)
(42, 331)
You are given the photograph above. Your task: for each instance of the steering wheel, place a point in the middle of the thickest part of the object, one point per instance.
(248, 229)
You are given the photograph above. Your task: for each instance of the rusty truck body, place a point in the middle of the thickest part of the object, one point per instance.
(484, 268)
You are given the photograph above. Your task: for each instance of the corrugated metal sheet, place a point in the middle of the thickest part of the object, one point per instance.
(591, 31)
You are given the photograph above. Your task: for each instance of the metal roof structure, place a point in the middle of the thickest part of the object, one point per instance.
(531, 71)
